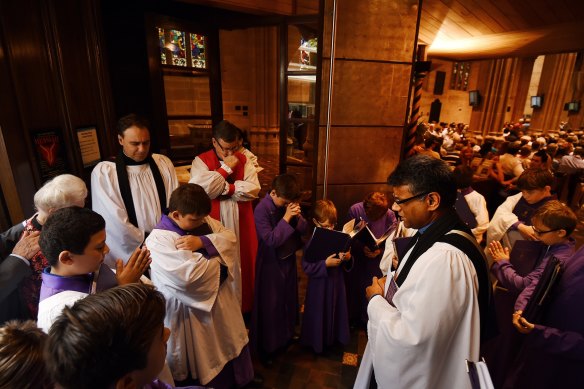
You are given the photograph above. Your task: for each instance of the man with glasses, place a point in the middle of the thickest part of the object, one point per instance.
(425, 319)
(231, 181)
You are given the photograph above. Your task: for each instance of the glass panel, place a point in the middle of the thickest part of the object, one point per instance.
(177, 47)
(188, 138)
(161, 46)
(198, 51)
(187, 95)
(301, 93)
(302, 47)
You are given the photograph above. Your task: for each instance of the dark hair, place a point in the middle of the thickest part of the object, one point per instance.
(556, 216)
(188, 199)
(21, 356)
(543, 155)
(132, 120)
(375, 205)
(226, 131)
(422, 174)
(286, 187)
(69, 229)
(462, 176)
(535, 179)
(104, 336)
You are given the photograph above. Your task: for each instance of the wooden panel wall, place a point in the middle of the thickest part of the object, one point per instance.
(52, 78)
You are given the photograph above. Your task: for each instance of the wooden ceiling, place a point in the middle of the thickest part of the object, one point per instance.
(467, 29)
(473, 29)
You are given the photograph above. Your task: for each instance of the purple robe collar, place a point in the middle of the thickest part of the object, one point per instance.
(167, 224)
(466, 191)
(54, 284)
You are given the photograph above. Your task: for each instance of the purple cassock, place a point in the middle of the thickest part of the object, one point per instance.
(54, 284)
(552, 355)
(364, 268)
(325, 320)
(275, 308)
(500, 351)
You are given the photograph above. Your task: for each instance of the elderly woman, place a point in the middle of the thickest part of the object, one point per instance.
(62, 191)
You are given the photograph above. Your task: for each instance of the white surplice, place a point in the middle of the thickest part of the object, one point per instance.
(424, 340)
(51, 307)
(478, 206)
(245, 190)
(204, 317)
(122, 236)
(389, 252)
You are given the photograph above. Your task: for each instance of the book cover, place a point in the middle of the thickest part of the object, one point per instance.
(525, 254)
(325, 242)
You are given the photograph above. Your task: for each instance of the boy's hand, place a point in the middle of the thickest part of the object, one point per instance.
(521, 324)
(345, 256)
(394, 262)
(189, 242)
(28, 245)
(292, 209)
(527, 232)
(498, 252)
(136, 266)
(371, 254)
(333, 261)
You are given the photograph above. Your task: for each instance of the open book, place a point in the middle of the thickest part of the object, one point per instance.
(325, 242)
(367, 237)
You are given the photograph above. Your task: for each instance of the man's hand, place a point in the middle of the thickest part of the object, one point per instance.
(189, 242)
(527, 232)
(136, 266)
(28, 245)
(371, 254)
(394, 262)
(521, 324)
(374, 288)
(498, 252)
(231, 161)
(292, 209)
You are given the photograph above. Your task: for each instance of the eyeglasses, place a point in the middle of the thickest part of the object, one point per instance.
(324, 225)
(538, 232)
(226, 149)
(400, 202)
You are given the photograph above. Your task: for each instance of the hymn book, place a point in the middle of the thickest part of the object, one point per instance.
(325, 242)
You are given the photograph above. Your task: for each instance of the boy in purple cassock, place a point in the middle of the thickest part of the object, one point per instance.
(325, 319)
(552, 355)
(279, 225)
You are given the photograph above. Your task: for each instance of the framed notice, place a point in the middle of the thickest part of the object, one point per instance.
(50, 153)
(89, 146)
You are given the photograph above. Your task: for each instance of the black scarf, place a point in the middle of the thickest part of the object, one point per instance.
(437, 232)
(122, 161)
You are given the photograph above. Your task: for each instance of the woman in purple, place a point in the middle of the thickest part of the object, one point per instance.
(380, 219)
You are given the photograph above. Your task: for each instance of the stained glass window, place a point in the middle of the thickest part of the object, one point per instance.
(198, 51)
(161, 45)
(460, 75)
(180, 48)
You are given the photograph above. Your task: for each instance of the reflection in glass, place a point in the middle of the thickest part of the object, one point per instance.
(178, 49)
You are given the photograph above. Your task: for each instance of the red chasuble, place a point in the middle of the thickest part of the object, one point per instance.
(248, 243)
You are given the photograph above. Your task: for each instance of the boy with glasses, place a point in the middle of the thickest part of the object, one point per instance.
(552, 225)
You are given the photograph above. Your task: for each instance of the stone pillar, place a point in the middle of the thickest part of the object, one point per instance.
(375, 44)
(555, 85)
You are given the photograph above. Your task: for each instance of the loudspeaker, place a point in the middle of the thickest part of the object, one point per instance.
(439, 83)
(435, 109)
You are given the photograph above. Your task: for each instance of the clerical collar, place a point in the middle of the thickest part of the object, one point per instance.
(130, 162)
(423, 229)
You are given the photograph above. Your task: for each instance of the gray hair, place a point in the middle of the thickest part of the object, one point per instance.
(60, 192)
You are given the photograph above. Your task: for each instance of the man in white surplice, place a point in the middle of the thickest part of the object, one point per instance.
(424, 320)
(193, 267)
(132, 192)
